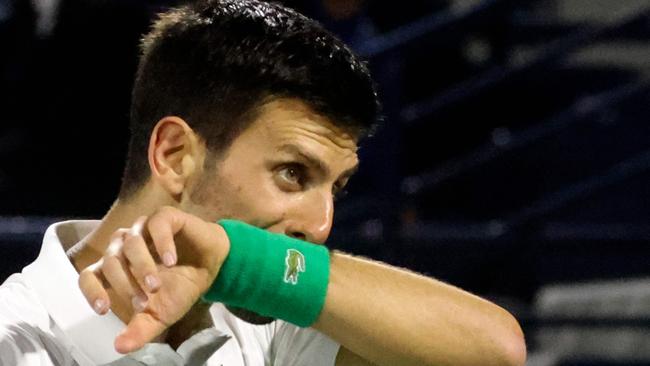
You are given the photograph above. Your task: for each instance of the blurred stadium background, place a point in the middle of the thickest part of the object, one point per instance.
(514, 161)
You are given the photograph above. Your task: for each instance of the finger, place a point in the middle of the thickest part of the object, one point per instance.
(138, 225)
(119, 233)
(161, 227)
(142, 329)
(140, 228)
(93, 290)
(141, 263)
(114, 247)
(117, 274)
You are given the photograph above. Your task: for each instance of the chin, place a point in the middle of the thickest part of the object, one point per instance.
(249, 316)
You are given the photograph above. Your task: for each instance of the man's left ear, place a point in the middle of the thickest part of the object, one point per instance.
(173, 154)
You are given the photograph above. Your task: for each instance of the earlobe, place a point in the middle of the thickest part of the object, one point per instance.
(172, 154)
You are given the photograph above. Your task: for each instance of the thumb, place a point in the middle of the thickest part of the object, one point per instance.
(142, 328)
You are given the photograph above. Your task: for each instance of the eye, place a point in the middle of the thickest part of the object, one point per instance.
(291, 177)
(340, 194)
(339, 191)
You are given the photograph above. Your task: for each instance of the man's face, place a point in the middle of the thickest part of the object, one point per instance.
(280, 174)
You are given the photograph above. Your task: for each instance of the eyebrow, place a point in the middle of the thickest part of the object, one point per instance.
(315, 161)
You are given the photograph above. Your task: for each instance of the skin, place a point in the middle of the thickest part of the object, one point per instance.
(280, 174)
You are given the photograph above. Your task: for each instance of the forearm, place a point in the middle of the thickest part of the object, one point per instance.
(383, 314)
(391, 316)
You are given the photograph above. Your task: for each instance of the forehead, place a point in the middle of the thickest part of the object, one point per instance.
(285, 121)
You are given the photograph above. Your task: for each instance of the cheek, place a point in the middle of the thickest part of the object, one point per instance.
(251, 198)
(207, 201)
(260, 203)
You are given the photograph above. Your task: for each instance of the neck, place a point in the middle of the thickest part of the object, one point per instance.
(121, 215)
(91, 249)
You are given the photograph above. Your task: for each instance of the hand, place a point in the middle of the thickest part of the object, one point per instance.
(161, 266)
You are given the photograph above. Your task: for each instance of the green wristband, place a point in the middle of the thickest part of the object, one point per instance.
(272, 275)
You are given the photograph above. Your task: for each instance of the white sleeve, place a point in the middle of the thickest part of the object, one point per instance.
(25, 340)
(295, 346)
(10, 351)
(21, 346)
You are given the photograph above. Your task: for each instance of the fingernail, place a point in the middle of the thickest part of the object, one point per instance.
(99, 306)
(139, 302)
(169, 259)
(152, 282)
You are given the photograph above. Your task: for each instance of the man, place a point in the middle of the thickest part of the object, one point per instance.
(240, 110)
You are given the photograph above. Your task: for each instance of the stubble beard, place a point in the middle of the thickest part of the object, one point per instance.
(204, 192)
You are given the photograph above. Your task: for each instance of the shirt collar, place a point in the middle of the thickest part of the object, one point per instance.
(52, 276)
(89, 336)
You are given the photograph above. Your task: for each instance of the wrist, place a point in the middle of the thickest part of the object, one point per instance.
(224, 245)
(218, 248)
(272, 275)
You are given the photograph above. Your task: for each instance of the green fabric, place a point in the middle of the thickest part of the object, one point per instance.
(272, 275)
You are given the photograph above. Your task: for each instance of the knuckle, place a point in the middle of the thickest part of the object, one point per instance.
(111, 263)
(137, 266)
(84, 277)
(119, 233)
(134, 252)
(167, 210)
(130, 242)
(88, 284)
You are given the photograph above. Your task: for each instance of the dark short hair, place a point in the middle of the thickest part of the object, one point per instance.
(214, 62)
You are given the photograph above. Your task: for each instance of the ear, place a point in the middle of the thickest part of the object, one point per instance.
(173, 154)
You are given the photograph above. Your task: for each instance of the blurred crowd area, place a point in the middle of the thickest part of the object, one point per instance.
(514, 160)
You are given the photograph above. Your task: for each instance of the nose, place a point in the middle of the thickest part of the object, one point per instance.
(312, 220)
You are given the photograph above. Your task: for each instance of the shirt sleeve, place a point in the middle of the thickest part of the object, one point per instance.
(25, 338)
(20, 345)
(10, 351)
(295, 346)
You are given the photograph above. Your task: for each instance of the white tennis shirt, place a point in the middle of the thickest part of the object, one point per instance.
(45, 320)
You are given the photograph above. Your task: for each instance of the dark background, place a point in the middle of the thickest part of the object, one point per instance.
(515, 153)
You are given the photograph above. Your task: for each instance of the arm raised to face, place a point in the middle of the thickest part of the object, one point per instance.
(378, 313)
